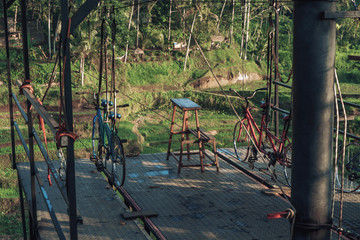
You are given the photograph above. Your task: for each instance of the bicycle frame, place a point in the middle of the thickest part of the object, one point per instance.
(105, 130)
(254, 129)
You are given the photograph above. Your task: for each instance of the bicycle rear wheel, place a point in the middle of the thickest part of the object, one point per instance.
(97, 142)
(241, 140)
(118, 160)
(286, 162)
(351, 170)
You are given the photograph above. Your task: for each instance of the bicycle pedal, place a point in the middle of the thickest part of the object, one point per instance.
(251, 165)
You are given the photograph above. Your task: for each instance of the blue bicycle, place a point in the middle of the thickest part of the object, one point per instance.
(107, 148)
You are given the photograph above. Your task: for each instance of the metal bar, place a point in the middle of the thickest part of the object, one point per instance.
(9, 86)
(22, 139)
(223, 152)
(70, 160)
(20, 108)
(281, 84)
(281, 110)
(313, 114)
(348, 134)
(352, 57)
(330, 15)
(83, 12)
(350, 104)
(8, 4)
(277, 74)
(149, 225)
(34, 223)
(53, 171)
(23, 220)
(43, 192)
(49, 207)
(50, 121)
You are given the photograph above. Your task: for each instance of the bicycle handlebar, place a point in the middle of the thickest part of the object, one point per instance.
(253, 94)
(93, 93)
(122, 106)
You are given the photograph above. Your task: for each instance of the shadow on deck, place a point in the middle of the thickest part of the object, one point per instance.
(191, 205)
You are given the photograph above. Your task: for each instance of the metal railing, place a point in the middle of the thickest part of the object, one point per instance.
(345, 103)
(52, 124)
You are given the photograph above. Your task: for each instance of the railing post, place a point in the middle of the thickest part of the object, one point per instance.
(70, 163)
(13, 154)
(9, 86)
(313, 104)
(33, 222)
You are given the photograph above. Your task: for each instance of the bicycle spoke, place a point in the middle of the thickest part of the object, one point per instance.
(118, 160)
(286, 162)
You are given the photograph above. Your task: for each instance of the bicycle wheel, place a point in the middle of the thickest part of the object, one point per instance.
(118, 160)
(241, 140)
(97, 141)
(286, 162)
(351, 169)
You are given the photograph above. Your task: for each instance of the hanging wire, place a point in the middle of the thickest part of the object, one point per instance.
(336, 151)
(343, 152)
(232, 106)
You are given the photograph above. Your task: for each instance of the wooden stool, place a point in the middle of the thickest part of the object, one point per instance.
(201, 137)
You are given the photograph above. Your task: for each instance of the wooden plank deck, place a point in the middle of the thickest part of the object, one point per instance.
(99, 206)
(191, 205)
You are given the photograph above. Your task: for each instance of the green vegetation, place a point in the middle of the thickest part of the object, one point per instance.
(148, 82)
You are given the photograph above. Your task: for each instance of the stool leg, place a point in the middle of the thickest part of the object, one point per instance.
(200, 142)
(182, 140)
(216, 157)
(171, 132)
(187, 134)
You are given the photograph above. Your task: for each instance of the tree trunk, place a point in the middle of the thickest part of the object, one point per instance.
(232, 22)
(188, 46)
(243, 32)
(56, 33)
(127, 41)
(49, 33)
(221, 13)
(169, 21)
(15, 18)
(247, 29)
(138, 24)
(82, 66)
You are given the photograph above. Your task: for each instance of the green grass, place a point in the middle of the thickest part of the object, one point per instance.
(9, 193)
(11, 226)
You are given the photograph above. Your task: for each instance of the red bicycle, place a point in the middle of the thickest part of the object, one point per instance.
(274, 149)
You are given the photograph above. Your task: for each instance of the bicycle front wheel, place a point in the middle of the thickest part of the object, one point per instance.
(286, 162)
(351, 161)
(241, 140)
(118, 160)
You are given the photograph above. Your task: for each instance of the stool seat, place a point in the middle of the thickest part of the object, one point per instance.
(201, 136)
(185, 104)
